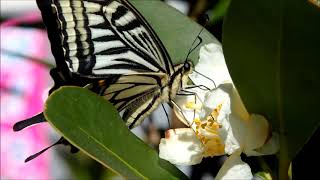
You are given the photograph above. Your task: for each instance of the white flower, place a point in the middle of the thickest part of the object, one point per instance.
(220, 124)
(211, 64)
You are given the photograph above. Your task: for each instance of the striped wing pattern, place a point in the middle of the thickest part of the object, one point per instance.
(135, 100)
(106, 37)
(110, 40)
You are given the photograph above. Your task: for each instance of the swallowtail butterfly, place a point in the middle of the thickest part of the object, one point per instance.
(108, 47)
(109, 40)
(109, 44)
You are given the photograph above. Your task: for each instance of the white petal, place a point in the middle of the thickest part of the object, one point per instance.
(237, 106)
(234, 168)
(233, 128)
(211, 64)
(189, 114)
(181, 147)
(216, 97)
(271, 147)
(257, 132)
(233, 136)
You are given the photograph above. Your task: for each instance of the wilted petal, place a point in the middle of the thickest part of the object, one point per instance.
(234, 168)
(181, 147)
(271, 147)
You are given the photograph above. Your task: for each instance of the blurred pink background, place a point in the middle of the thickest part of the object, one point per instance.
(23, 87)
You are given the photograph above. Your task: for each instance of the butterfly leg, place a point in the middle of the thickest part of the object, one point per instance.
(189, 93)
(165, 111)
(195, 94)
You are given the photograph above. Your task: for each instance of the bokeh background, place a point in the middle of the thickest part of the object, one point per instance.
(25, 63)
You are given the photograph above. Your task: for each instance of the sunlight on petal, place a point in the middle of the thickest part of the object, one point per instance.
(212, 65)
(234, 168)
(232, 128)
(181, 147)
(237, 106)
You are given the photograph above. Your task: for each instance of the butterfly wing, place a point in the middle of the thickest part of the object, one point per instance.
(134, 100)
(110, 39)
(101, 38)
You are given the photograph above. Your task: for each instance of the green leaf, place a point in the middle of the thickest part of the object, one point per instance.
(176, 31)
(219, 11)
(94, 126)
(272, 51)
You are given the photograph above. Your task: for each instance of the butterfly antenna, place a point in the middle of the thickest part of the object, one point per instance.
(206, 19)
(28, 122)
(60, 141)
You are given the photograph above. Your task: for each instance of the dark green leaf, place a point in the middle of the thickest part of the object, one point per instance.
(93, 125)
(273, 54)
(219, 11)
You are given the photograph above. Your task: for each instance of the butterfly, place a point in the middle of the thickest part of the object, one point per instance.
(110, 45)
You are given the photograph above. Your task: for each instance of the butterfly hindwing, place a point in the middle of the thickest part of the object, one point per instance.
(135, 100)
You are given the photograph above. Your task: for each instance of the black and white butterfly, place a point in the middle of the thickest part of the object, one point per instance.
(109, 44)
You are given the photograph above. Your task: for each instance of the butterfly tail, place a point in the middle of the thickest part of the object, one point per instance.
(28, 122)
(62, 141)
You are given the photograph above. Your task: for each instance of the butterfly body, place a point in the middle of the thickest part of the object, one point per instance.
(157, 88)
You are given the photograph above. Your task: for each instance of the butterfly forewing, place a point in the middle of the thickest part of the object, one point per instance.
(102, 38)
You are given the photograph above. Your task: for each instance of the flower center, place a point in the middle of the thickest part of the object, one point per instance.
(207, 131)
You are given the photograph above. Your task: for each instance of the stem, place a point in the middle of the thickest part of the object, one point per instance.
(284, 161)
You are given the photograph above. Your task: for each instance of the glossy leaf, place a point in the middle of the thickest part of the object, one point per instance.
(94, 126)
(272, 52)
(176, 31)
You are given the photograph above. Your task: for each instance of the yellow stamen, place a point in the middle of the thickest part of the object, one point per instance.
(207, 132)
(192, 105)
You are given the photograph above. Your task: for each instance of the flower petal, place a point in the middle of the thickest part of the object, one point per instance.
(232, 129)
(257, 132)
(211, 64)
(188, 113)
(181, 147)
(234, 168)
(271, 147)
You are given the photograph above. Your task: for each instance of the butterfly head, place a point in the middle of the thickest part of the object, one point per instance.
(187, 67)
